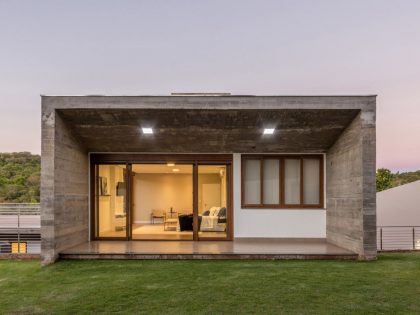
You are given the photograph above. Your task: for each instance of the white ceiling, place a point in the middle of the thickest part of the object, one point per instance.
(183, 169)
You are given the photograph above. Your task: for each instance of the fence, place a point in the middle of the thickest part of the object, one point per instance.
(398, 238)
(20, 226)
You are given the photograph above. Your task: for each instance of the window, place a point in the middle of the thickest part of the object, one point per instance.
(18, 247)
(282, 181)
(311, 176)
(292, 181)
(271, 182)
(252, 184)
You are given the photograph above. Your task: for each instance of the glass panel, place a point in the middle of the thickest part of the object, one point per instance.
(292, 181)
(212, 201)
(162, 202)
(311, 181)
(271, 182)
(111, 207)
(252, 182)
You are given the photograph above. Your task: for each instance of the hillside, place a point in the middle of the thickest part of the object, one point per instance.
(19, 177)
(385, 179)
(405, 178)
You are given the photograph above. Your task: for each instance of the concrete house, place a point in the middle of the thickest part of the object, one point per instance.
(208, 176)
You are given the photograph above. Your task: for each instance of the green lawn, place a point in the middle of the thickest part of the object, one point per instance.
(390, 285)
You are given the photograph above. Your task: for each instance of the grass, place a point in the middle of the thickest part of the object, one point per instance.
(390, 285)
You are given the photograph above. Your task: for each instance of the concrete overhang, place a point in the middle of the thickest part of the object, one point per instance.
(207, 124)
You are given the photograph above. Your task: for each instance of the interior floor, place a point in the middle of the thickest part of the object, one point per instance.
(158, 232)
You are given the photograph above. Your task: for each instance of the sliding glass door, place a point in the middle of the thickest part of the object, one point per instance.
(162, 201)
(158, 197)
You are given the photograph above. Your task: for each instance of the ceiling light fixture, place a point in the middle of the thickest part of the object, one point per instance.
(147, 131)
(175, 170)
(268, 131)
(170, 164)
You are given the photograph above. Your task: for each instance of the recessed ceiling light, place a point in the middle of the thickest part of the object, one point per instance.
(171, 164)
(268, 131)
(175, 170)
(147, 131)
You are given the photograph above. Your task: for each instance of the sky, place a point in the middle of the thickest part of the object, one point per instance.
(242, 47)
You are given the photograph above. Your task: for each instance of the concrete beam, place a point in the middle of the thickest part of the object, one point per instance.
(210, 102)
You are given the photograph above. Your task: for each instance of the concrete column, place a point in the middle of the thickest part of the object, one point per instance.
(351, 187)
(64, 188)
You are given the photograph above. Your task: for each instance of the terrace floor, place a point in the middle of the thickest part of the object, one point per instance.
(237, 249)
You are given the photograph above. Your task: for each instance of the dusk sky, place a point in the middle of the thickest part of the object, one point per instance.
(241, 47)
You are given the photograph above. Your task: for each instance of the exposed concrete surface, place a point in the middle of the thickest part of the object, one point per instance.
(207, 131)
(366, 103)
(64, 189)
(351, 195)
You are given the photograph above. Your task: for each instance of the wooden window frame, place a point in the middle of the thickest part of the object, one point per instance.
(281, 158)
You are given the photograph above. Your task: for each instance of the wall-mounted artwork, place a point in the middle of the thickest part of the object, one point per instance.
(120, 189)
(103, 186)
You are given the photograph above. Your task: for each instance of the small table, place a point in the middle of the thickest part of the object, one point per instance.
(170, 224)
(172, 213)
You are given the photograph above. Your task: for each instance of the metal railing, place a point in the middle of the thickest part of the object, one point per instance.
(20, 226)
(398, 238)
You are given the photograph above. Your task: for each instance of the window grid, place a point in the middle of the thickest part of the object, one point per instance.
(282, 204)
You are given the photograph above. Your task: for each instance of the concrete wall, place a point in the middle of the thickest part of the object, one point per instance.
(351, 196)
(288, 223)
(64, 188)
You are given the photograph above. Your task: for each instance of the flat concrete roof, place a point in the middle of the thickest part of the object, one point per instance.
(209, 95)
(206, 124)
(211, 102)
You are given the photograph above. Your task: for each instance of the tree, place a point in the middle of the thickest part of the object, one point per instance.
(384, 179)
(19, 177)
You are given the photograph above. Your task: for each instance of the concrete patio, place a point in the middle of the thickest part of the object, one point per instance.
(237, 249)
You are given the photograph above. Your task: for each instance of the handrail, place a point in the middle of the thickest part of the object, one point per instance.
(20, 209)
(398, 237)
(399, 226)
(20, 226)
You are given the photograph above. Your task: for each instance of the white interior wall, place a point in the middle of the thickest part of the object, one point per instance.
(211, 191)
(286, 223)
(161, 192)
(111, 204)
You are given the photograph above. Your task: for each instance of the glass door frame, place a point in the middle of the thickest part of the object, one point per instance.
(146, 162)
(94, 201)
(229, 202)
(128, 159)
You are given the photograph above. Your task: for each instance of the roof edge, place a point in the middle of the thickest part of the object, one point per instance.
(208, 95)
